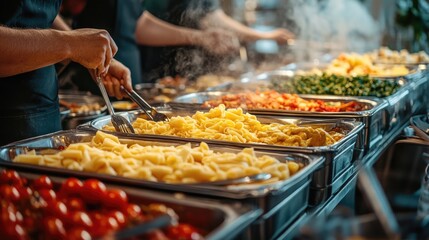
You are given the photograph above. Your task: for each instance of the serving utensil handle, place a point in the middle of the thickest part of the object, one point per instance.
(104, 93)
(139, 101)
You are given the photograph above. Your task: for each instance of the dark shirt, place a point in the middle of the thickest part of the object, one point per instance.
(28, 101)
(185, 61)
(119, 18)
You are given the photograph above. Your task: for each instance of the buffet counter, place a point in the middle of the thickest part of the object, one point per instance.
(297, 139)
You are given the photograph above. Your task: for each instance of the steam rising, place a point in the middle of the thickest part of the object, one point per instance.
(191, 62)
(322, 27)
(331, 27)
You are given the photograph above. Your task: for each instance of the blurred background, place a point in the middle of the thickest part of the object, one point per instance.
(333, 26)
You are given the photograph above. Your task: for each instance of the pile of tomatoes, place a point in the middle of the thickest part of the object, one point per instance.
(72, 210)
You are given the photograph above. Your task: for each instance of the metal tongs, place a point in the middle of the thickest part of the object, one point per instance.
(153, 114)
(120, 123)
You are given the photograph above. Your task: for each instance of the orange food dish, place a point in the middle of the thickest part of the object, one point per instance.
(282, 101)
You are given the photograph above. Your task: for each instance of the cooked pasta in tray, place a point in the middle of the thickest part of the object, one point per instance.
(236, 126)
(171, 164)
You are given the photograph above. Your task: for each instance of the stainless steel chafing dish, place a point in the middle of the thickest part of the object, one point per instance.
(419, 86)
(372, 116)
(73, 119)
(402, 104)
(281, 202)
(337, 156)
(215, 219)
(397, 111)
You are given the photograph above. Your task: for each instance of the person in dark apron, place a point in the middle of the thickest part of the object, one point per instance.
(28, 85)
(119, 19)
(193, 60)
(161, 61)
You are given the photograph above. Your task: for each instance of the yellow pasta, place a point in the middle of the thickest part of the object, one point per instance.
(236, 126)
(172, 164)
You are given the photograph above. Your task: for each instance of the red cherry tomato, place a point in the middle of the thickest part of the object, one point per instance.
(119, 217)
(30, 223)
(53, 227)
(25, 193)
(71, 187)
(19, 217)
(78, 233)
(8, 213)
(115, 199)
(9, 193)
(57, 209)
(74, 204)
(48, 195)
(102, 225)
(132, 211)
(93, 191)
(11, 177)
(183, 231)
(13, 231)
(80, 219)
(43, 182)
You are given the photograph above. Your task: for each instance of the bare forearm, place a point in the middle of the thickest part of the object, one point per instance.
(220, 20)
(27, 50)
(155, 32)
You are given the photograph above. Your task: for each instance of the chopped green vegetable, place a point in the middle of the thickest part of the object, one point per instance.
(336, 85)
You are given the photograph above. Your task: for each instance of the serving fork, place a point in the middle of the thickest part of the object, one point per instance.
(120, 123)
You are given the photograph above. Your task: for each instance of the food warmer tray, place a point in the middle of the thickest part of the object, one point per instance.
(219, 220)
(397, 112)
(281, 202)
(72, 120)
(373, 117)
(419, 86)
(337, 156)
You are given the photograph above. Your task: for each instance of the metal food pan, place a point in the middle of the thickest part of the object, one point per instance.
(414, 77)
(414, 69)
(321, 195)
(337, 156)
(372, 117)
(397, 112)
(83, 99)
(288, 198)
(216, 220)
(419, 85)
(72, 119)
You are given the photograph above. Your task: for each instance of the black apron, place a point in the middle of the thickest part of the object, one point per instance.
(29, 101)
(119, 18)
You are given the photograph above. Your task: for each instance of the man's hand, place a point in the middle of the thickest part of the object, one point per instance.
(280, 35)
(93, 48)
(118, 75)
